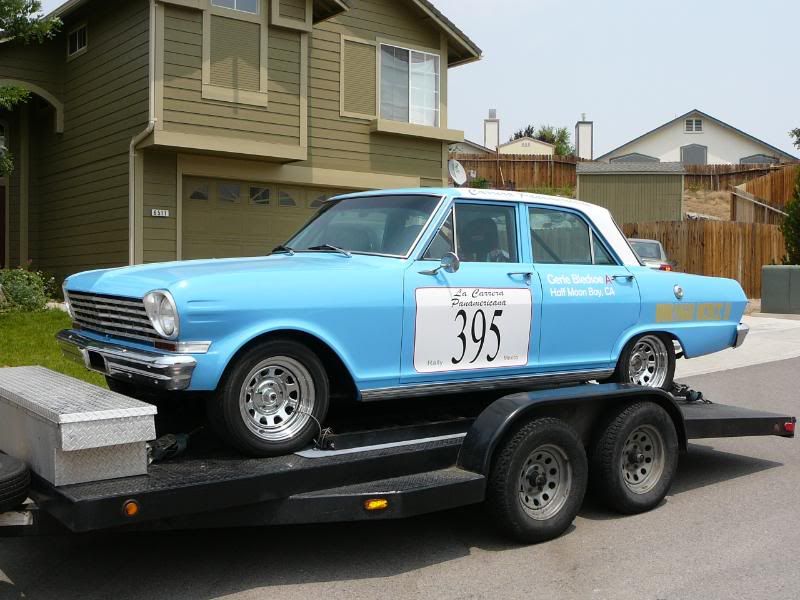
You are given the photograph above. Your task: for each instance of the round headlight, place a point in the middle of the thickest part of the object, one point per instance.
(163, 313)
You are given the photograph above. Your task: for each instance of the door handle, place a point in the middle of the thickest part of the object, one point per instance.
(625, 277)
(526, 274)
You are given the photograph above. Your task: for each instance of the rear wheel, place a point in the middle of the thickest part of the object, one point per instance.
(647, 360)
(634, 458)
(538, 481)
(275, 399)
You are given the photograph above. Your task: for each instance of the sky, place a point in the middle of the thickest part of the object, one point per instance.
(630, 65)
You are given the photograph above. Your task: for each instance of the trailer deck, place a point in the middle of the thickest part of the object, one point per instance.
(409, 470)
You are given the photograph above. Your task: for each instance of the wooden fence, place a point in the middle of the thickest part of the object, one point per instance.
(720, 249)
(521, 171)
(722, 177)
(764, 200)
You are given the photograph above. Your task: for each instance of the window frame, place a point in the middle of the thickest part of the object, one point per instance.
(593, 235)
(238, 10)
(420, 50)
(83, 49)
(514, 206)
(693, 125)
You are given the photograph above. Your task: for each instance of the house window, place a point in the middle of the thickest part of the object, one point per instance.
(409, 86)
(229, 192)
(259, 195)
(248, 6)
(199, 191)
(286, 198)
(694, 125)
(77, 40)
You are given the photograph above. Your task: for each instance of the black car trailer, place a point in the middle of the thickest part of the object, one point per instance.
(528, 456)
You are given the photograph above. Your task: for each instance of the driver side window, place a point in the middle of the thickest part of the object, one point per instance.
(477, 233)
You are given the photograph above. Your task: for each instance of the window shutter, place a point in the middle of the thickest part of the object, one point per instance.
(359, 72)
(235, 54)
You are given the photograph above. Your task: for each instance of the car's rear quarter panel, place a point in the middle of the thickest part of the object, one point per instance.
(703, 321)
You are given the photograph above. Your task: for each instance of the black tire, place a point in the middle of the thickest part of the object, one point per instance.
(15, 480)
(176, 413)
(504, 496)
(622, 374)
(307, 367)
(621, 485)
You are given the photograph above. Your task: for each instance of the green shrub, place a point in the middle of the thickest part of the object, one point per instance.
(479, 182)
(23, 290)
(791, 227)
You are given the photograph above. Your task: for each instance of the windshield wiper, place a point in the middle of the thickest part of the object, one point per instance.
(332, 248)
(281, 249)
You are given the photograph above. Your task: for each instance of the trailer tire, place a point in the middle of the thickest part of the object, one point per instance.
(275, 398)
(15, 480)
(634, 458)
(537, 481)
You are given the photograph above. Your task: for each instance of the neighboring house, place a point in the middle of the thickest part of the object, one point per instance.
(697, 138)
(527, 145)
(177, 129)
(633, 192)
(469, 147)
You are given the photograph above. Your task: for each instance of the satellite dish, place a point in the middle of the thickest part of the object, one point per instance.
(457, 172)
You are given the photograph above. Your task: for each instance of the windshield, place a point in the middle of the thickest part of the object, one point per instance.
(386, 225)
(647, 250)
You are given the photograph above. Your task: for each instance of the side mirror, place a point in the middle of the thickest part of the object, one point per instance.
(450, 263)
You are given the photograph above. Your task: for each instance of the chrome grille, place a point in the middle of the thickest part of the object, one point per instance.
(112, 315)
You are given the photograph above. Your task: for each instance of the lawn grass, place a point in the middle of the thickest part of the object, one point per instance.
(29, 339)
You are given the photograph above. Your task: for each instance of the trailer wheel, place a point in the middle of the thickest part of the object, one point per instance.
(275, 398)
(634, 458)
(538, 480)
(15, 479)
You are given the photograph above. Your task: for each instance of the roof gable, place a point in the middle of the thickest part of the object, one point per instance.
(529, 139)
(699, 113)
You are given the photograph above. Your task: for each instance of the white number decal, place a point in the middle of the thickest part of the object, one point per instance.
(471, 328)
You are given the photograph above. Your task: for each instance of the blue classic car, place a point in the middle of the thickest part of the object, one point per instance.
(397, 294)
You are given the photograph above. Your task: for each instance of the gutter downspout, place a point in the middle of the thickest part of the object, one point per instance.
(137, 139)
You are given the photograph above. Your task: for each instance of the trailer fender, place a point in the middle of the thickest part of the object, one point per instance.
(505, 414)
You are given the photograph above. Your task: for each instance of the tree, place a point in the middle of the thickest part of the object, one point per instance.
(795, 133)
(791, 226)
(558, 136)
(21, 20)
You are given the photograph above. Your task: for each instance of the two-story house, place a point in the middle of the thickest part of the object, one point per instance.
(178, 129)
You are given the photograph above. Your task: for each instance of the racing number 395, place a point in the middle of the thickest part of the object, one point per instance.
(478, 338)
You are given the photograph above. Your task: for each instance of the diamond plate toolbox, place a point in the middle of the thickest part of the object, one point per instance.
(69, 431)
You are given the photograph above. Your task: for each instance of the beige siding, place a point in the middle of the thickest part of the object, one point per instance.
(79, 179)
(235, 53)
(337, 142)
(160, 191)
(359, 79)
(186, 111)
(293, 9)
(635, 198)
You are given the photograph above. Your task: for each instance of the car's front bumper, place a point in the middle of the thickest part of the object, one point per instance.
(741, 332)
(153, 369)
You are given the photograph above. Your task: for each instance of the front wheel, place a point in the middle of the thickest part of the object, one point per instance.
(538, 481)
(648, 360)
(274, 400)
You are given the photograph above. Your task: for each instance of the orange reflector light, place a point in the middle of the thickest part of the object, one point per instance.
(665, 268)
(376, 504)
(130, 508)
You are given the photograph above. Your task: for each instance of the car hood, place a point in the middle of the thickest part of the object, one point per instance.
(136, 281)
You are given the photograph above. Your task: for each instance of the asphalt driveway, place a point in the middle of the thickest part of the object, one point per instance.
(729, 529)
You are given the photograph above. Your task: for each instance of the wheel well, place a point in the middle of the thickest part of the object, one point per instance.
(342, 384)
(664, 334)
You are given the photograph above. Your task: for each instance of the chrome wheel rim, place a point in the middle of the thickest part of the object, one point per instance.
(545, 482)
(277, 398)
(648, 362)
(642, 462)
